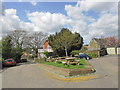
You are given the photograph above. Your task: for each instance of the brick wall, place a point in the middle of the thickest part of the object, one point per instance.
(45, 44)
(66, 72)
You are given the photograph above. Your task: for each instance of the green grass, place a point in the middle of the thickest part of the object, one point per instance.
(83, 63)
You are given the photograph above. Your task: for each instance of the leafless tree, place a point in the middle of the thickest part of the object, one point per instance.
(18, 37)
(35, 40)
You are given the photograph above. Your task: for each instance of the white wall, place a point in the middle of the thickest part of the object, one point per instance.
(111, 50)
(118, 50)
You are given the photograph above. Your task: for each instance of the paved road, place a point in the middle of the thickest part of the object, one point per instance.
(31, 76)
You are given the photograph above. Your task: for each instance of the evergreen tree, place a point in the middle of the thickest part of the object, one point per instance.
(6, 47)
(65, 41)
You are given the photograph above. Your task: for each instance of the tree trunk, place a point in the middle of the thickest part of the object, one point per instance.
(66, 51)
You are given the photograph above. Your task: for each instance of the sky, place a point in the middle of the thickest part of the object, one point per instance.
(90, 19)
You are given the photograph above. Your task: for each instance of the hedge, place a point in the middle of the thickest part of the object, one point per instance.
(93, 55)
(39, 60)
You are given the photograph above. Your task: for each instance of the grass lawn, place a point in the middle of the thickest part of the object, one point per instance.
(83, 63)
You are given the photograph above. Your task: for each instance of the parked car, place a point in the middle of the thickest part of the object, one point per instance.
(83, 55)
(23, 58)
(9, 62)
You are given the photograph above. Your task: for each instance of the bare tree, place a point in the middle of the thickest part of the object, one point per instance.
(18, 37)
(35, 41)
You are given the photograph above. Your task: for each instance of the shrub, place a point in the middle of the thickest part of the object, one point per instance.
(47, 54)
(76, 52)
(93, 55)
(40, 60)
(1, 59)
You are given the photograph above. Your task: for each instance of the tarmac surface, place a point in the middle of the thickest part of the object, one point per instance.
(30, 75)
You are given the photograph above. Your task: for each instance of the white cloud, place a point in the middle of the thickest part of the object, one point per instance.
(105, 25)
(96, 6)
(47, 22)
(33, 3)
(101, 7)
(10, 21)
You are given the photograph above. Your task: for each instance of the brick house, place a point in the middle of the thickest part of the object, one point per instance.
(46, 47)
(97, 45)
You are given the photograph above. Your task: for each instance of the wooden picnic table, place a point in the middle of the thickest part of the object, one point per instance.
(71, 59)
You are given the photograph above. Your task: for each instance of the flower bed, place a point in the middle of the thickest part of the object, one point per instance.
(67, 72)
(70, 70)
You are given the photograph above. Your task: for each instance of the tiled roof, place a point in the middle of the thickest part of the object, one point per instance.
(99, 41)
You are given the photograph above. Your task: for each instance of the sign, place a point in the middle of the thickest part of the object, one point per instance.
(42, 50)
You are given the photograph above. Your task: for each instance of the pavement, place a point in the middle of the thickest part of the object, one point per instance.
(30, 75)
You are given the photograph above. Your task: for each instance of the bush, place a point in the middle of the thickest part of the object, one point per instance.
(1, 59)
(76, 52)
(93, 55)
(40, 60)
(47, 54)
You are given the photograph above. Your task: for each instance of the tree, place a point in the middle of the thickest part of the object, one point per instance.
(17, 53)
(6, 47)
(111, 41)
(18, 38)
(35, 41)
(65, 40)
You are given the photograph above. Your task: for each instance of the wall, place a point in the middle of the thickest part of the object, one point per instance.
(118, 50)
(67, 72)
(113, 51)
(93, 45)
(45, 44)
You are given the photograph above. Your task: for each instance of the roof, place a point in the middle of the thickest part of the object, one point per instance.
(99, 41)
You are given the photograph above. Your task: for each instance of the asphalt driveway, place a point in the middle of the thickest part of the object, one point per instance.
(30, 75)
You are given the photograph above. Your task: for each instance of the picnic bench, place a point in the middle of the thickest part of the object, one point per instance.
(71, 61)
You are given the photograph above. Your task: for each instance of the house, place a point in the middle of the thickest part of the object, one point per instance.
(97, 45)
(46, 47)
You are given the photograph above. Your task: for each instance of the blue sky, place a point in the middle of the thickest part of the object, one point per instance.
(90, 19)
(23, 7)
(53, 7)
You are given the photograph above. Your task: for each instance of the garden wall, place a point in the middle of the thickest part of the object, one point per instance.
(113, 50)
(67, 72)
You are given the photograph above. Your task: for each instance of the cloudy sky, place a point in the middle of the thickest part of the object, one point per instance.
(90, 19)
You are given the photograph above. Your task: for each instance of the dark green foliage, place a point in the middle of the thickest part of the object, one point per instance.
(17, 53)
(65, 41)
(47, 54)
(6, 47)
(8, 51)
(93, 55)
(76, 52)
